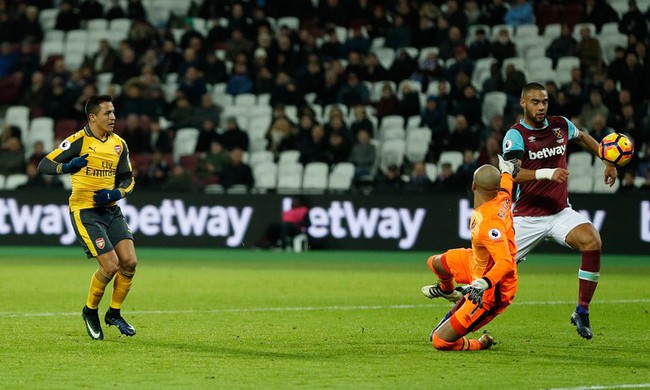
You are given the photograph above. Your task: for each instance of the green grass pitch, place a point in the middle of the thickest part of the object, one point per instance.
(250, 319)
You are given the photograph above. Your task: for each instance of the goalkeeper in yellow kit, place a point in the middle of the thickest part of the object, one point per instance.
(98, 163)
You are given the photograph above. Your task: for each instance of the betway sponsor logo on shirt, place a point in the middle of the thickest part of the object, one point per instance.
(547, 152)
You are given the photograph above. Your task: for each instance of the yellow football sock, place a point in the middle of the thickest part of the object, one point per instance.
(121, 287)
(98, 284)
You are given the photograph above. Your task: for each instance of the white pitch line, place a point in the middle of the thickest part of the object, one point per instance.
(305, 308)
(598, 387)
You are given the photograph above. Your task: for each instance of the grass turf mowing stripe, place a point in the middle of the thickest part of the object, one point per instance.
(624, 386)
(306, 308)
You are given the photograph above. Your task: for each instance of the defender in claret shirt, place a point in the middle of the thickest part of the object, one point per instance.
(98, 162)
(541, 209)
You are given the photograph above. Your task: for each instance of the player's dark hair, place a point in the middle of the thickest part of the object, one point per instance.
(92, 104)
(531, 87)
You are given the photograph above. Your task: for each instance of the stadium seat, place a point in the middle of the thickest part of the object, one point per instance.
(289, 177)
(481, 70)
(262, 157)
(433, 88)
(551, 31)
(425, 51)
(257, 127)
(413, 122)
(377, 43)
(265, 176)
(17, 116)
(432, 171)
(385, 55)
(389, 133)
(453, 157)
(289, 157)
(74, 60)
(391, 121)
(289, 21)
(15, 180)
(417, 143)
(494, 103)
(542, 76)
(340, 179)
(414, 84)
(246, 99)
(54, 36)
(528, 42)
(66, 181)
(47, 18)
(539, 63)
(315, 177)
(580, 184)
(392, 152)
(601, 188)
(189, 162)
(377, 87)
(471, 32)
(97, 25)
(51, 48)
(496, 29)
(526, 30)
(518, 62)
(264, 99)
(185, 142)
(40, 129)
(564, 67)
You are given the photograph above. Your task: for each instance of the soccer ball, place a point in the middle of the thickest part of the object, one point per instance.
(616, 149)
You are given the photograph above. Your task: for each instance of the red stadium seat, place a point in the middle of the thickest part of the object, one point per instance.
(64, 128)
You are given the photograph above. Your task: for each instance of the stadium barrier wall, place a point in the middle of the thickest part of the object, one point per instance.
(426, 222)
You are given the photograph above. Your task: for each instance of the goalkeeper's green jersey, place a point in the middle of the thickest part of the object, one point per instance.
(108, 163)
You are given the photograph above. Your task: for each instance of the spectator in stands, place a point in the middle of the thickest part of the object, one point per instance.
(264, 81)
(29, 25)
(79, 107)
(470, 106)
(329, 92)
(594, 107)
(36, 180)
(126, 67)
(633, 22)
(456, 17)
(474, 13)
(643, 161)
(193, 86)
(131, 102)
(598, 127)
(281, 136)
(402, 67)
(240, 82)
(503, 47)
(598, 12)
(91, 9)
(635, 78)
(610, 95)
(237, 172)
(38, 153)
(452, 43)
(563, 46)
(9, 31)
(446, 180)
(286, 91)
(213, 162)
(357, 42)
(238, 43)
(589, 52)
(233, 136)
(332, 48)
(398, 34)
(463, 137)
(495, 81)
(170, 59)
(391, 182)
(180, 180)
(8, 59)
(157, 171)
(238, 19)
(286, 59)
(353, 92)
(207, 135)
(338, 149)
(409, 104)
(311, 78)
(59, 103)
(374, 71)
(480, 46)
(215, 69)
(332, 12)
(465, 173)
(419, 180)
(363, 155)
(158, 139)
(182, 113)
(135, 135)
(67, 19)
(361, 121)
(12, 159)
(494, 129)
(190, 59)
(520, 13)
(434, 117)
(104, 59)
(378, 23)
(514, 81)
(35, 94)
(627, 183)
(488, 153)
(313, 148)
(115, 11)
(495, 13)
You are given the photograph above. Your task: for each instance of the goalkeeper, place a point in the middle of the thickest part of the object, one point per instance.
(488, 270)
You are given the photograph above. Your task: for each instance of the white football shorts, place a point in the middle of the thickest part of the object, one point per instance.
(530, 231)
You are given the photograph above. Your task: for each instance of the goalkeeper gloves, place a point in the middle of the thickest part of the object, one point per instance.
(75, 165)
(510, 166)
(475, 291)
(104, 197)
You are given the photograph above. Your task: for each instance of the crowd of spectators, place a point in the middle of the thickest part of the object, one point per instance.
(245, 50)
